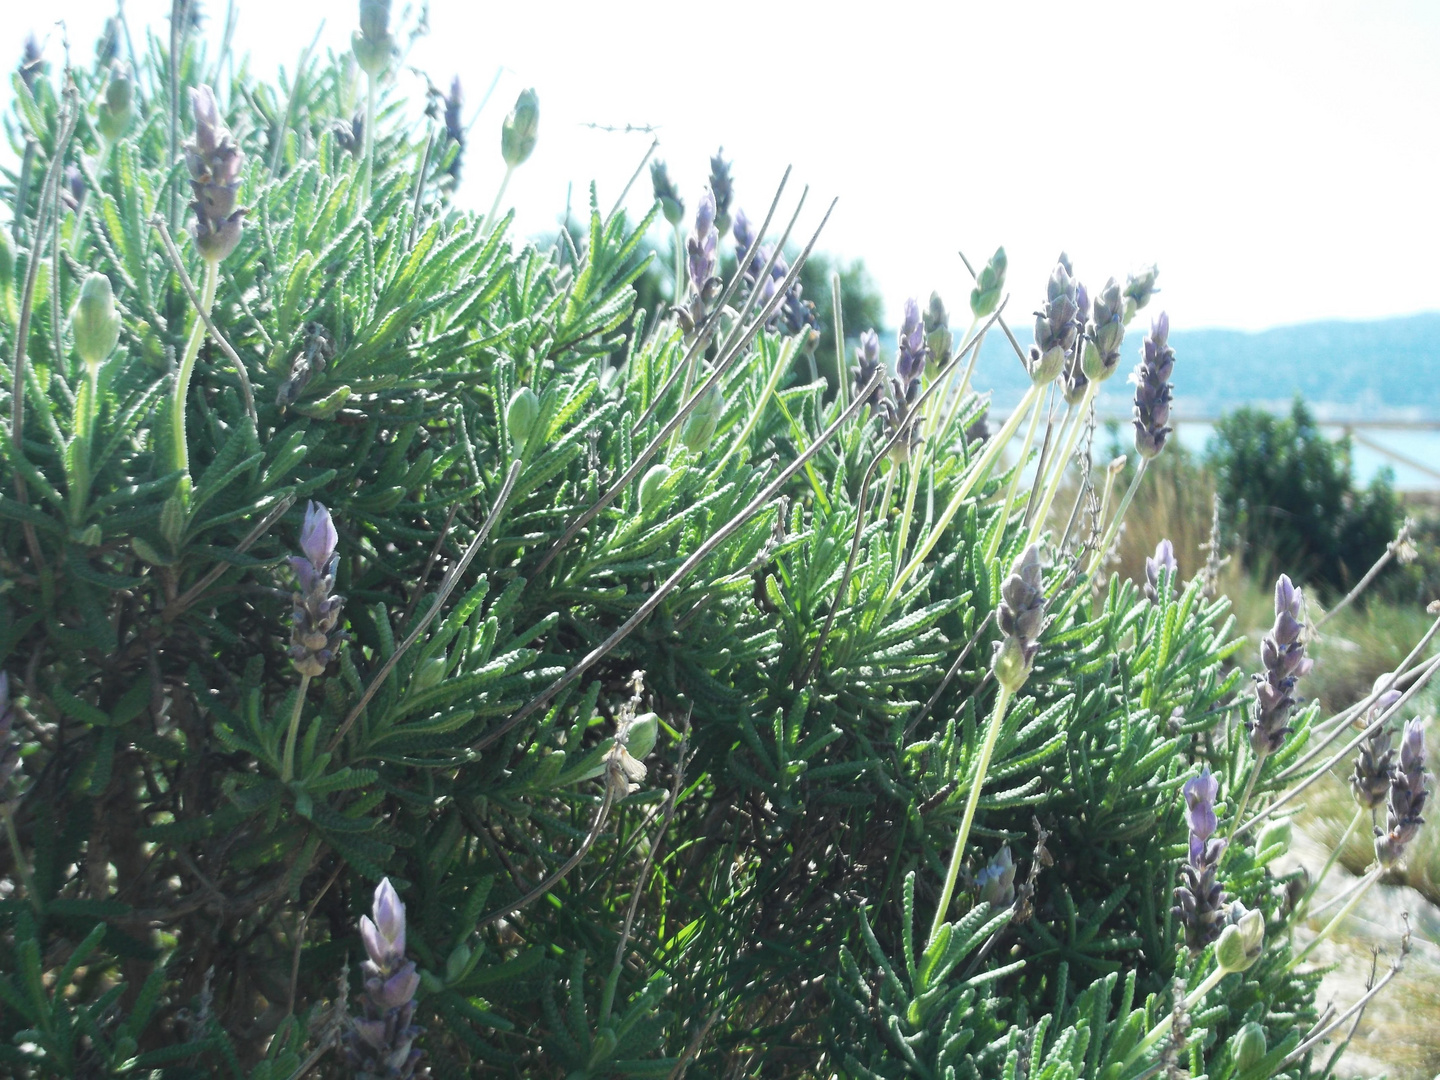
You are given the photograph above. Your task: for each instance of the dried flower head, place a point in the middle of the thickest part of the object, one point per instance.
(1282, 654)
(215, 162)
(315, 634)
(1153, 392)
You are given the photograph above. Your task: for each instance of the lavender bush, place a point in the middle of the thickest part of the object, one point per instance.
(418, 660)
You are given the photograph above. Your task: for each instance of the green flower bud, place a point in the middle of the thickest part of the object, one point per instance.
(650, 485)
(699, 426)
(517, 134)
(372, 55)
(985, 297)
(95, 321)
(643, 730)
(118, 106)
(429, 673)
(521, 414)
(1241, 943)
(172, 519)
(1247, 1046)
(458, 963)
(1276, 834)
(375, 18)
(1011, 665)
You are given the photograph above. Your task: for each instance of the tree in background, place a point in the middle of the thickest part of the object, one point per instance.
(1290, 492)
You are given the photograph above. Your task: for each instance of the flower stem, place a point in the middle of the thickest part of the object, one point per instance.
(999, 536)
(992, 734)
(1114, 527)
(181, 450)
(488, 225)
(679, 266)
(1309, 894)
(1360, 891)
(1245, 798)
(1062, 462)
(1162, 1028)
(287, 767)
(22, 867)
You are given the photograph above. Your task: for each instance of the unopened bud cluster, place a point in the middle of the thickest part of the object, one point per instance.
(315, 634)
(911, 352)
(1056, 326)
(1162, 562)
(1153, 392)
(373, 44)
(795, 313)
(1405, 802)
(701, 264)
(214, 161)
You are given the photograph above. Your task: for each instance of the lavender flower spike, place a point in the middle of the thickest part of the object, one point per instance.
(1409, 788)
(867, 362)
(9, 751)
(1163, 560)
(1021, 618)
(315, 634)
(1153, 390)
(214, 161)
(380, 1043)
(723, 186)
(700, 248)
(1282, 654)
(1375, 764)
(1056, 326)
(1199, 899)
(911, 349)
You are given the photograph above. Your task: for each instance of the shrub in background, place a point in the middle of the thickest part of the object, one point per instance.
(413, 670)
(1286, 488)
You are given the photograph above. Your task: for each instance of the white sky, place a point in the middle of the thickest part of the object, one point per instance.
(1277, 159)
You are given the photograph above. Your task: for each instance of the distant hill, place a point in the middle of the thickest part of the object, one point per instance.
(1387, 369)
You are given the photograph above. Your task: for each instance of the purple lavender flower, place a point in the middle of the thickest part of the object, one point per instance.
(1152, 389)
(723, 186)
(215, 162)
(1163, 560)
(797, 314)
(1021, 618)
(1200, 901)
(1056, 326)
(705, 286)
(380, 1043)
(1282, 654)
(315, 634)
(997, 879)
(867, 362)
(911, 350)
(1409, 788)
(9, 750)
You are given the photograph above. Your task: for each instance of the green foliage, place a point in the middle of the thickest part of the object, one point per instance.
(185, 904)
(1289, 490)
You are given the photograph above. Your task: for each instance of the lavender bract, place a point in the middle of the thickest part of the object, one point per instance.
(381, 1042)
(1199, 899)
(1139, 288)
(1409, 790)
(214, 161)
(315, 634)
(1152, 389)
(1282, 654)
